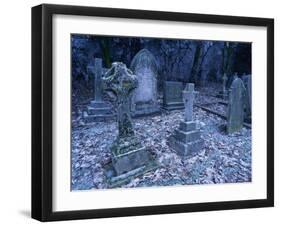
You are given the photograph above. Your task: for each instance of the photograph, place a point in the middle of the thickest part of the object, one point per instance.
(151, 112)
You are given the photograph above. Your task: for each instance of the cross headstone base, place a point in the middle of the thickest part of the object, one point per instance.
(173, 106)
(186, 140)
(129, 159)
(122, 179)
(142, 109)
(98, 111)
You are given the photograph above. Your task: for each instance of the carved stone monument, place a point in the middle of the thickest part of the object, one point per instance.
(129, 157)
(186, 140)
(145, 100)
(98, 109)
(236, 104)
(172, 95)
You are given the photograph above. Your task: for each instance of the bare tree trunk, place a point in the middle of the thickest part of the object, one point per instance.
(196, 63)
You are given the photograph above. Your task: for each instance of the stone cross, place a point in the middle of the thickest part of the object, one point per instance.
(186, 139)
(129, 157)
(188, 98)
(121, 81)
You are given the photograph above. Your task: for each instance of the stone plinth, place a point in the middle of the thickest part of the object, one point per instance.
(186, 140)
(99, 111)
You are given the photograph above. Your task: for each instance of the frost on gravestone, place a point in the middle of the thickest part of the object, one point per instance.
(236, 104)
(144, 100)
(186, 140)
(129, 157)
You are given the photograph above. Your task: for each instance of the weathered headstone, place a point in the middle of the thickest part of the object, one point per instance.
(129, 157)
(172, 95)
(223, 93)
(145, 97)
(186, 140)
(98, 109)
(236, 103)
(247, 79)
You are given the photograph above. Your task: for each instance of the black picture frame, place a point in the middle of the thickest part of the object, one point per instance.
(42, 111)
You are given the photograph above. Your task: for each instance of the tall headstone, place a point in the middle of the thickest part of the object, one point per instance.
(247, 79)
(98, 109)
(145, 96)
(236, 104)
(129, 157)
(186, 140)
(172, 95)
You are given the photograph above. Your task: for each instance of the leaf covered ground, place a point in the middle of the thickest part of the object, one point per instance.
(223, 159)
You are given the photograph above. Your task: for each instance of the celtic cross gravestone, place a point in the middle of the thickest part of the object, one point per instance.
(129, 156)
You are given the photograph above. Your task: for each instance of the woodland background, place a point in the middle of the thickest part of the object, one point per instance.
(197, 61)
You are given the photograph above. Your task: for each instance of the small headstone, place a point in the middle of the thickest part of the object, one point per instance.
(98, 109)
(236, 103)
(145, 96)
(129, 157)
(186, 140)
(172, 95)
(223, 93)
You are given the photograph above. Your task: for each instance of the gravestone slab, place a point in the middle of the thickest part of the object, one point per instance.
(145, 96)
(223, 92)
(172, 95)
(98, 110)
(236, 104)
(129, 157)
(186, 140)
(247, 80)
